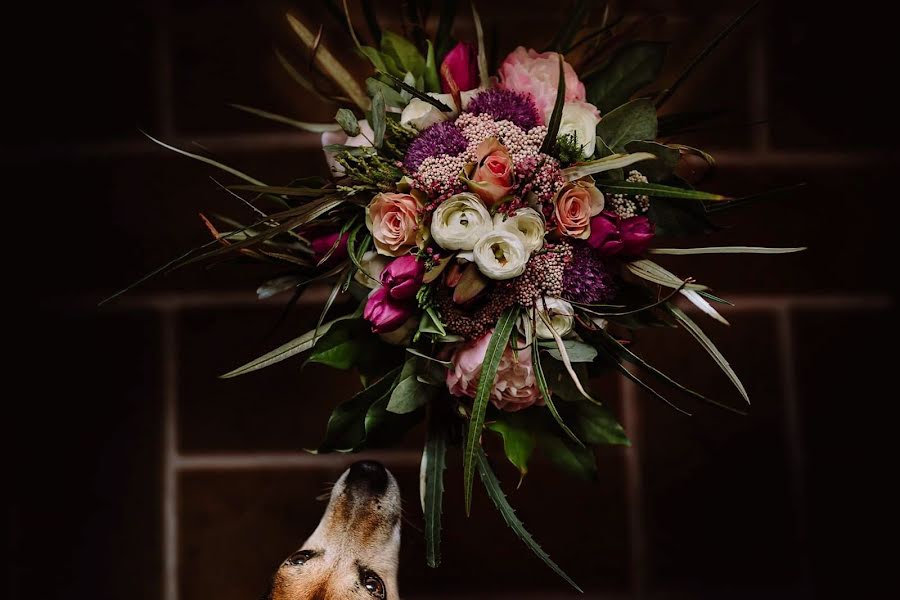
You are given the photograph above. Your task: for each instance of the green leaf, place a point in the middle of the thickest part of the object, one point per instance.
(431, 322)
(300, 79)
(343, 345)
(302, 125)
(391, 96)
(577, 351)
(634, 378)
(519, 440)
(208, 161)
(658, 190)
(630, 69)
(571, 458)
(679, 217)
(404, 52)
(303, 192)
(385, 428)
(595, 424)
(652, 272)
(547, 395)
(607, 163)
(635, 120)
(432, 81)
(444, 363)
(710, 348)
(410, 393)
(495, 492)
(432, 488)
(564, 356)
(379, 119)
(666, 158)
(347, 120)
(495, 350)
(561, 383)
(725, 250)
(346, 429)
(549, 142)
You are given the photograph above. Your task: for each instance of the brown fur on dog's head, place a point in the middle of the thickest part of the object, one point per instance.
(353, 553)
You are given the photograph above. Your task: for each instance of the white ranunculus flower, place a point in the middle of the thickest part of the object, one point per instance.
(365, 137)
(460, 221)
(561, 316)
(501, 255)
(419, 114)
(581, 118)
(527, 223)
(372, 265)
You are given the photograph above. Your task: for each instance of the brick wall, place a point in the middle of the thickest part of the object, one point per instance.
(138, 474)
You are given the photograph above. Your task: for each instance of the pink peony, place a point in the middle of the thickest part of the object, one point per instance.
(492, 178)
(611, 235)
(537, 73)
(574, 205)
(402, 278)
(385, 313)
(515, 387)
(460, 65)
(393, 220)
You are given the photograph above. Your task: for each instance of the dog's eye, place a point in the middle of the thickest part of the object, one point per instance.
(299, 558)
(373, 585)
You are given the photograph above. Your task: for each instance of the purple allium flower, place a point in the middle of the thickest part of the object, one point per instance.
(440, 138)
(586, 279)
(506, 105)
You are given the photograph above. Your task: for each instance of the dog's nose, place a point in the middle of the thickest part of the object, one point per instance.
(368, 475)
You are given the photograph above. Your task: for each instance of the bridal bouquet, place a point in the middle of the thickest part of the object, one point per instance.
(497, 230)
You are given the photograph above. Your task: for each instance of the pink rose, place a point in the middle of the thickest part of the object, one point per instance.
(574, 205)
(393, 220)
(461, 66)
(492, 175)
(403, 277)
(611, 235)
(537, 73)
(515, 387)
(385, 313)
(322, 245)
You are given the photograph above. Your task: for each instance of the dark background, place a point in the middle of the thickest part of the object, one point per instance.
(135, 473)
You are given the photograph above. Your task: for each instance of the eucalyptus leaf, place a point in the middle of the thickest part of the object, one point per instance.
(630, 69)
(347, 120)
(379, 119)
(577, 351)
(391, 96)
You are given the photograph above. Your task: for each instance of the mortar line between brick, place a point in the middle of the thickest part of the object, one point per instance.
(169, 361)
(794, 442)
(238, 461)
(634, 492)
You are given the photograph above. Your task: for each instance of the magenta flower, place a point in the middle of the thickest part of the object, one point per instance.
(460, 65)
(385, 313)
(611, 235)
(402, 278)
(322, 245)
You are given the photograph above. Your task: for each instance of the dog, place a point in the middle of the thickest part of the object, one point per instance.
(354, 552)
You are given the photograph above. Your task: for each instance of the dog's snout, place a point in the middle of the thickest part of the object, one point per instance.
(369, 475)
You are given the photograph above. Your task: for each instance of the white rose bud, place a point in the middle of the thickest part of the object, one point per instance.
(501, 255)
(419, 114)
(527, 223)
(581, 119)
(560, 314)
(460, 221)
(372, 265)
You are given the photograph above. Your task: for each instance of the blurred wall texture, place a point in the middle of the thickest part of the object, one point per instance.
(138, 474)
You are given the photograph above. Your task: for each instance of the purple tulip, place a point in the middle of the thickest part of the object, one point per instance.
(402, 278)
(460, 65)
(636, 234)
(384, 313)
(605, 235)
(322, 245)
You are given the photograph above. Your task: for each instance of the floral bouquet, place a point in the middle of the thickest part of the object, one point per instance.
(496, 229)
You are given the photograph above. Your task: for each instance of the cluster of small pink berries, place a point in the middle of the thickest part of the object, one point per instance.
(520, 143)
(473, 323)
(627, 206)
(438, 176)
(543, 275)
(543, 176)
